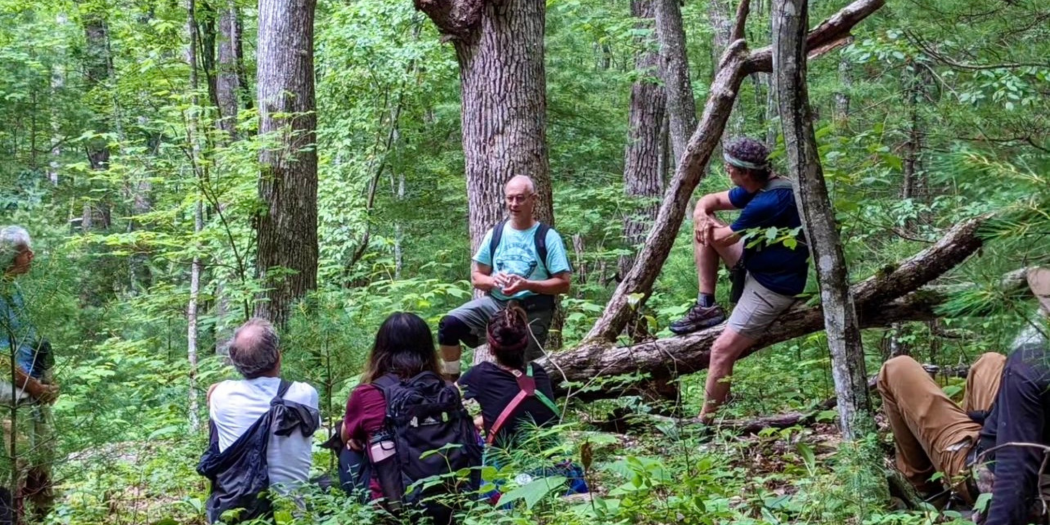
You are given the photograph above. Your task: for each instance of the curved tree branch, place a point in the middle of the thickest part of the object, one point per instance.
(832, 30)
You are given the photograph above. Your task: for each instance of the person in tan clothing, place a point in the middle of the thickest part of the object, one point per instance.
(1007, 402)
(932, 433)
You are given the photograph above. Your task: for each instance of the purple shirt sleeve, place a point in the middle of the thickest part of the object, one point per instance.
(365, 411)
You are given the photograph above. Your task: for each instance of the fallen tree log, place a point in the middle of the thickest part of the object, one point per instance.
(896, 294)
(808, 417)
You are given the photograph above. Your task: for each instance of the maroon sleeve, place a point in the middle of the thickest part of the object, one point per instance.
(365, 411)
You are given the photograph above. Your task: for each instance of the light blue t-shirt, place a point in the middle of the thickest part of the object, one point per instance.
(516, 254)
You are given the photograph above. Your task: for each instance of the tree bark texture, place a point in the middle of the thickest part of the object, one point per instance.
(58, 83)
(674, 70)
(736, 63)
(192, 309)
(643, 181)
(832, 32)
(720, 12)
(842, 98)
(227, 83)
(499, 47)
(914, 185)
(287, 230)
(790, 19)
(97, 67)
(895, 294)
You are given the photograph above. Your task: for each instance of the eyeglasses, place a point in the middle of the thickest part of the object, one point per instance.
(515, 199)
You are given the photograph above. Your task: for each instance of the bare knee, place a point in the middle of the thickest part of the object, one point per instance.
(699, 209)
(722, 354)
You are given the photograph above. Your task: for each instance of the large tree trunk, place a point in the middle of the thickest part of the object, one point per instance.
(287, 247)
(893, 296)
(736, 63)
(227, 83)
(499, 46)
(642, 178)
(97, 69)
(720, 12)
(790, 19)
(227, 100)
(674, 70)
(198, 214)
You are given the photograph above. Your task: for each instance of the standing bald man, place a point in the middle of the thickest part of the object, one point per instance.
(520, 259)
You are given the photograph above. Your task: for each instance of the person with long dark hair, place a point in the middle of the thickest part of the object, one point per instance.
(405, 423)
(403, 347)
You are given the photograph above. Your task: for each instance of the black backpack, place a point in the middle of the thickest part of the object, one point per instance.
(239, 475)
(432, 435)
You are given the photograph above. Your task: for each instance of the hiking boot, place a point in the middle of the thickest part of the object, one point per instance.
(698, 318)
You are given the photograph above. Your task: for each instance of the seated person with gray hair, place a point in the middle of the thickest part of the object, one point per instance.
(261, 410)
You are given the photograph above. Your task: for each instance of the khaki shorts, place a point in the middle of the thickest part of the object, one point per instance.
(758, 308)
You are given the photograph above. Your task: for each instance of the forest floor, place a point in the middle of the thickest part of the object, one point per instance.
(772, 476)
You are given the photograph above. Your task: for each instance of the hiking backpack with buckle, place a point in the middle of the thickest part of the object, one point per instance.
(426, 434)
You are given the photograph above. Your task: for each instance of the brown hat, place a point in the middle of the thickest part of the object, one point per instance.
(1039, 283)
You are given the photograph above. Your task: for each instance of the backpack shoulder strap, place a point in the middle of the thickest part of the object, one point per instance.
(540, 241)
(497, 236)
(778, 184)
(385, 383)
(518, 399)
(543, 397)
(283, 388)
(505, 415)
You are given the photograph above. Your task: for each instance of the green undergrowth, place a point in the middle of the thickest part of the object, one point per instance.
(657, 473)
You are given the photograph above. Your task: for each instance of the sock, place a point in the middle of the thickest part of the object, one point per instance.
(705, 299)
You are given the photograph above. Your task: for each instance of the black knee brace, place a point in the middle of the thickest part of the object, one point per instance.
(452, 330)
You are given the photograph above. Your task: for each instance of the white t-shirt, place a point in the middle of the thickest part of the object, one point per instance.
(236, 405)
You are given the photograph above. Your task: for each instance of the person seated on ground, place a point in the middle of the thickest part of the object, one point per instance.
(497, 386)
(33, 378)
(519, 259)
(512, 393)
(403, 367)
(262, 409)
(1007, 401)
(775, 273)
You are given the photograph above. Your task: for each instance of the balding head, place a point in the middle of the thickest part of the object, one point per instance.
(519, 183)
(254, 349)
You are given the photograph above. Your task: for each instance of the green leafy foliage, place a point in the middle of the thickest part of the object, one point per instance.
(948, 119)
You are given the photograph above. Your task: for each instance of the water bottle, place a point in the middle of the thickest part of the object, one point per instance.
(382, 447)
(381, 454)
